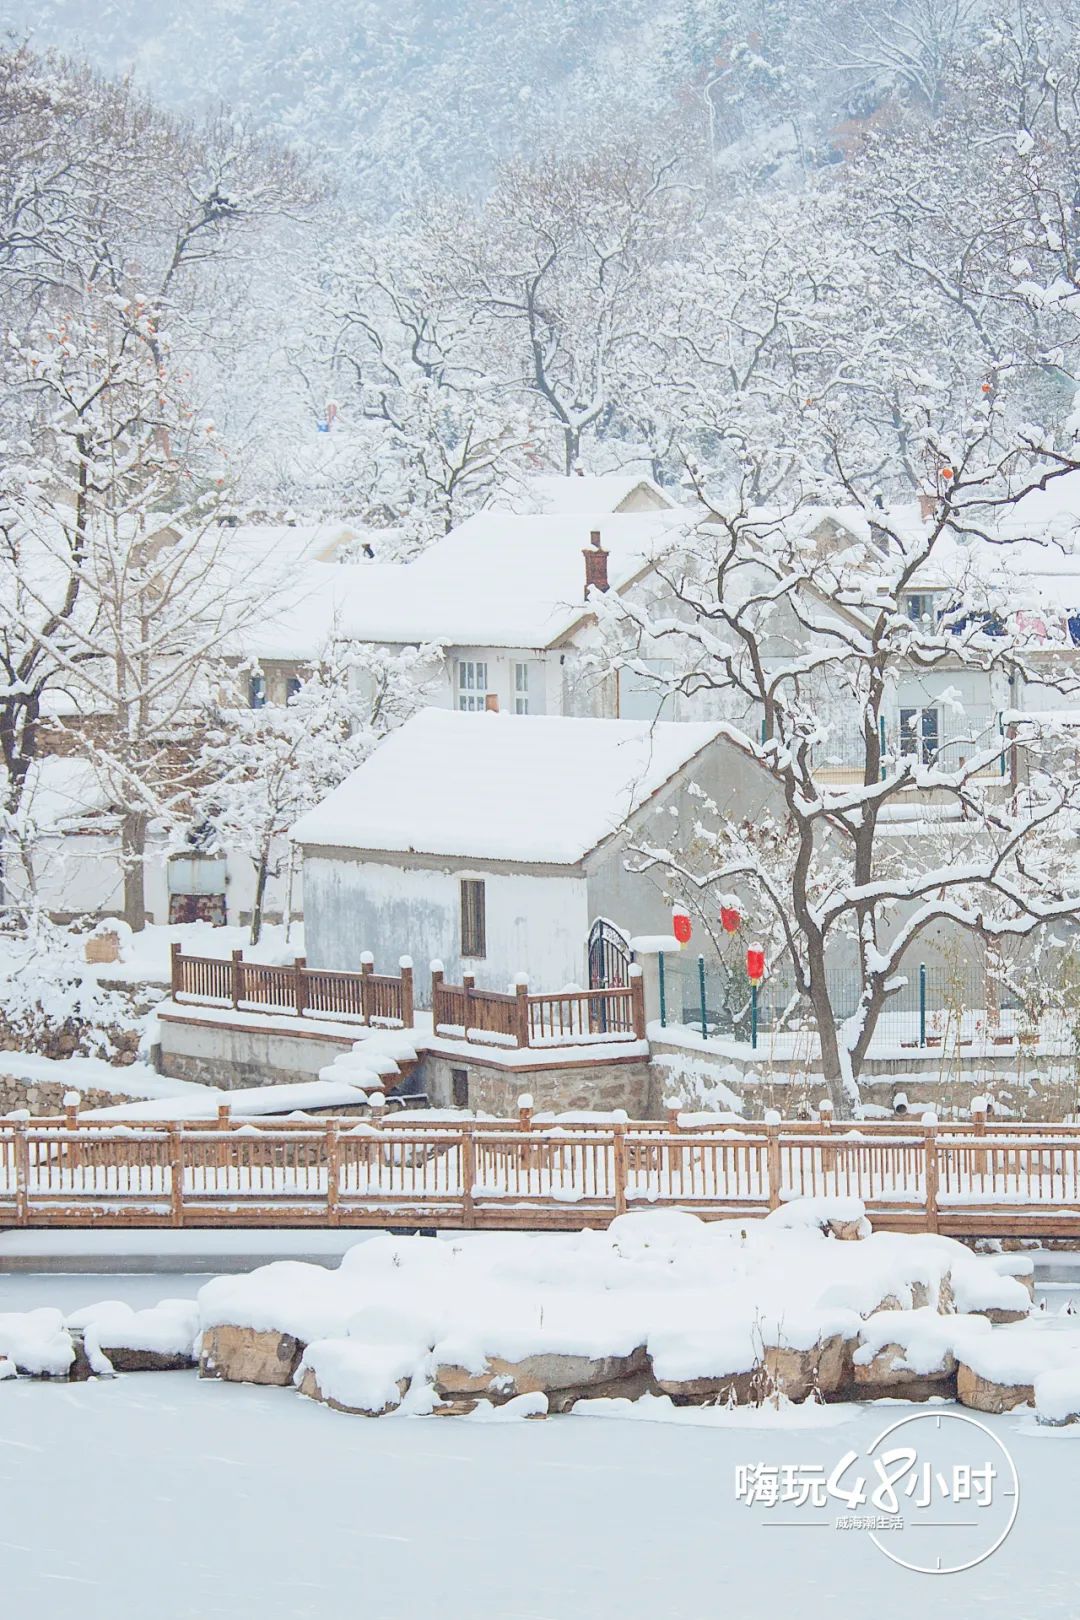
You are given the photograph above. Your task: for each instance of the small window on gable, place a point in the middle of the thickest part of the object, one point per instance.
(473, 918)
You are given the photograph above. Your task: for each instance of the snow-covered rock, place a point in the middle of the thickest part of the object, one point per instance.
(367, 1379)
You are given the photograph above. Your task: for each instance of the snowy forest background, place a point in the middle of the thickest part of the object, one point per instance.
(478, 239)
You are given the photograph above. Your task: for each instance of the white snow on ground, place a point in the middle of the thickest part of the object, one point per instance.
(202, 1102)
(158, 1494)
(91, 1073)
(144, 957)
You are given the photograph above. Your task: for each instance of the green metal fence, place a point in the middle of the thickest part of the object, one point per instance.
(936, 1007)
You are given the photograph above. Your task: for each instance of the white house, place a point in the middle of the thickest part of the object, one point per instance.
(497, 844)
(504, 595)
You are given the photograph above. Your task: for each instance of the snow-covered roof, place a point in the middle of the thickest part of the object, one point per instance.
(552, 494)
(500, 579)
(533, 788)
(63, 789)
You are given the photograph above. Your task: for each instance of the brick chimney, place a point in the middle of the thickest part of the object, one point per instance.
(596, 559)
(491, 703)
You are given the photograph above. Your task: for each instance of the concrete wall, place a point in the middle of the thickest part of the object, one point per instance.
(213, 1054)
(535, 924)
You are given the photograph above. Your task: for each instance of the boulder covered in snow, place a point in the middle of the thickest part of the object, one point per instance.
(562, 1377)
(911, 1355)
(364, 1379)
(1000, 1370)
(841, 1218)
(117, 1338)
(245, 1355)
(1057, 1397)
(37, 1344)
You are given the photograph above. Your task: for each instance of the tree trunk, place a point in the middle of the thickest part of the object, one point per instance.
(133, 855)
(832, 1065)
(262, 866)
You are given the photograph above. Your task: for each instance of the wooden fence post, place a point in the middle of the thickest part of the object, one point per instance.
(437, 976)
(930, 1154)
(22, 1174)
(71, 1124)
(408, 1013)
(176, 968)
(525, 1114)
(367, 968)
(772, 1157)
(224, 1123)
(333, 1175)
(468, 1173)
(468, 985)
(176, 1174)
(618, 1168)
(300, 986)
(978, 1125)
(521, 1010)
(637, 1000)
(237, 977)
(828, 1154)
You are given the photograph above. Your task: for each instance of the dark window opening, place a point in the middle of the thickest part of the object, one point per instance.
(293, 686)
(459, 1088)
(919, 734)
(473, 920)
(257, 692)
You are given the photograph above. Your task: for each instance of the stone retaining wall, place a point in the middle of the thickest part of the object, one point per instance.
(45, 1098)
(493, 1087)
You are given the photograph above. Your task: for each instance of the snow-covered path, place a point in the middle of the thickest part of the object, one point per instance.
(156, 1495)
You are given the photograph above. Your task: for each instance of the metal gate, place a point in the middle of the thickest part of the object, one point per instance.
(609, 955)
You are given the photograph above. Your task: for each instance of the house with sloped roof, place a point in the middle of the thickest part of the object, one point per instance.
(505, 595)
(499, 844)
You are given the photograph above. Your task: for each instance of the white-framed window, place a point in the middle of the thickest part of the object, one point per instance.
(521, 688)
(470, 683)
(920, 734)
(921, 608)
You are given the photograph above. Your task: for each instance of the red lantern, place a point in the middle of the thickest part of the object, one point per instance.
(755, 964)
(946, 473)
(729, 919)
(681, 925)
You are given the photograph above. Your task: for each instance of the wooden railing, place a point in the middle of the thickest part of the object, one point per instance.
(527, 1173)
(519, 1018)
(365, 997)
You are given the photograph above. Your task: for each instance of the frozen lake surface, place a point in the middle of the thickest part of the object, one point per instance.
(157, 1497)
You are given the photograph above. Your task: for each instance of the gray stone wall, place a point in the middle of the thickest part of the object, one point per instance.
(45, 1098)
(495, 1089)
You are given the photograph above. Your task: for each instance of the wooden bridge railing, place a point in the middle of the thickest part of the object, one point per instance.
(527, 1173)
(520, 1018)
(365, 997)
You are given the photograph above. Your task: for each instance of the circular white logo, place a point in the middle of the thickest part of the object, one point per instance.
(937, 1492)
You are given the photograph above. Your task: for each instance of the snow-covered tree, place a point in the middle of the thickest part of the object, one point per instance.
(262, 768)
(861, 829)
